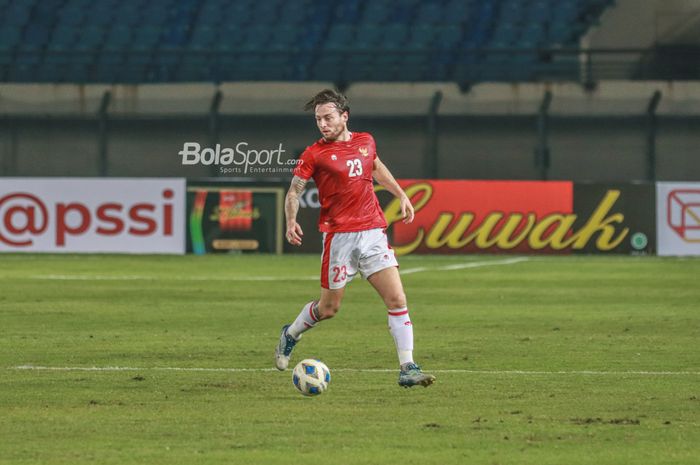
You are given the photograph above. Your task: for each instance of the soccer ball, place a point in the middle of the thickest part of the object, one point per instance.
(311, 377)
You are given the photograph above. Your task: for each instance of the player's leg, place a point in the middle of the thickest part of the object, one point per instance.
(313, 312)
(329, 303)
(378, 264)
(337, 269)
(387, 283)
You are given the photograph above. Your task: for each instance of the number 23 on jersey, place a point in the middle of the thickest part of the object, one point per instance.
(355, 166)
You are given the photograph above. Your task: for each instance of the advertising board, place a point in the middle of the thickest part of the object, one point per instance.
(92, 215)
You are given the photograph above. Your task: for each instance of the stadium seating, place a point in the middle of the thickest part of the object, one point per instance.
(134, 41)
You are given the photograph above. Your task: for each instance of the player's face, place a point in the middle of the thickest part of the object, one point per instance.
(330, 121)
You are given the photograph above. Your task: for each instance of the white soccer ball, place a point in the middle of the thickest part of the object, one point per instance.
(311, 377)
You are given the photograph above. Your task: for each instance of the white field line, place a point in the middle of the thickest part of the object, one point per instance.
(68, 277)
(462, 266)
(364, 370)
(71, 277)
(413, 270)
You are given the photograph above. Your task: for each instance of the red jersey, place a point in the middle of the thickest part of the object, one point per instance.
(343, 173)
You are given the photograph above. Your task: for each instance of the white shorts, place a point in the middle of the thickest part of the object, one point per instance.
(344, 254)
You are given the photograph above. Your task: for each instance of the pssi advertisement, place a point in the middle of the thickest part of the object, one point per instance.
(69, 215)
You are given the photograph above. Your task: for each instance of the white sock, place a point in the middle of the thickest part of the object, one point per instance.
(401, 329)
(305, 321)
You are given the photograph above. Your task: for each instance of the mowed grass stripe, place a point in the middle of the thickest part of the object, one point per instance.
(366, 370)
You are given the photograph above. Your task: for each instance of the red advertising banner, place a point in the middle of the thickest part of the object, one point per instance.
(548, 217)
(488, 216)
(235, 210)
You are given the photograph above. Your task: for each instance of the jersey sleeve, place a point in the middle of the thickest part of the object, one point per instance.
(306, 166)
(374, 147)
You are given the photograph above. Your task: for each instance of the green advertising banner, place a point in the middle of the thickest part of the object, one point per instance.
(230, 218)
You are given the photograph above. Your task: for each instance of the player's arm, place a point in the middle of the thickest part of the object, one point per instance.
(291, 208)
(385, 179)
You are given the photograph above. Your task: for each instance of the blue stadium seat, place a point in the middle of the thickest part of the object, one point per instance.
(152, 40)
(512, 12)
(357, 63)
(256, 39)
(35, 35)
(340, 36)
(230, 37)
(457, 11)
(376, 13)
(102, 13)
(10, 35)
(266, 13)
(174, 35)
(532, 35)
(83, 54)
(505, 35)
(429, 13)
(347, 12)
(296, 13)
(6, 59)
(311, 36)
(17, 13)
(22, 72)
(422, 36)
(539, 12)
(109, 61)
(403, 12)
(448, 35)
(72, 17)
(77, 73)
(395, 34)
(57, 54)
(118, 36)
(64, 36)
(91, 35)
(203, 37)
(147, 35)
(139, 55)
(368, 35)
(191, 73)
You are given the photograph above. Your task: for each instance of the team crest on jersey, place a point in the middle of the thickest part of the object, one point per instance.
(333, 157)
(364, 151)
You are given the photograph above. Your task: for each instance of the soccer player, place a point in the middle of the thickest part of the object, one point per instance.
(343, 163)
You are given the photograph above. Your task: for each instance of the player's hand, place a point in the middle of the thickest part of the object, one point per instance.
(407, 211)
(294, 233)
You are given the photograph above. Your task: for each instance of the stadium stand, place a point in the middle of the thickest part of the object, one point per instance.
(139, 41)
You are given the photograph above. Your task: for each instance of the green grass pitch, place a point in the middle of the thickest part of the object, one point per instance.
(550, 360)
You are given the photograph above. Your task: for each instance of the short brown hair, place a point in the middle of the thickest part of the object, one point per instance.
(328, 96)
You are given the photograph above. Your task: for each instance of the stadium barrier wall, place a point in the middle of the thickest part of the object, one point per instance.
(92, 215)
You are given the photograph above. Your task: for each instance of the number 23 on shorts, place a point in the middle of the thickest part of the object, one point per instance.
(340, 273)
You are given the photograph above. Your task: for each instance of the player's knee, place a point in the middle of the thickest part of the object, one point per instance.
(328, 309)
(395, 300)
